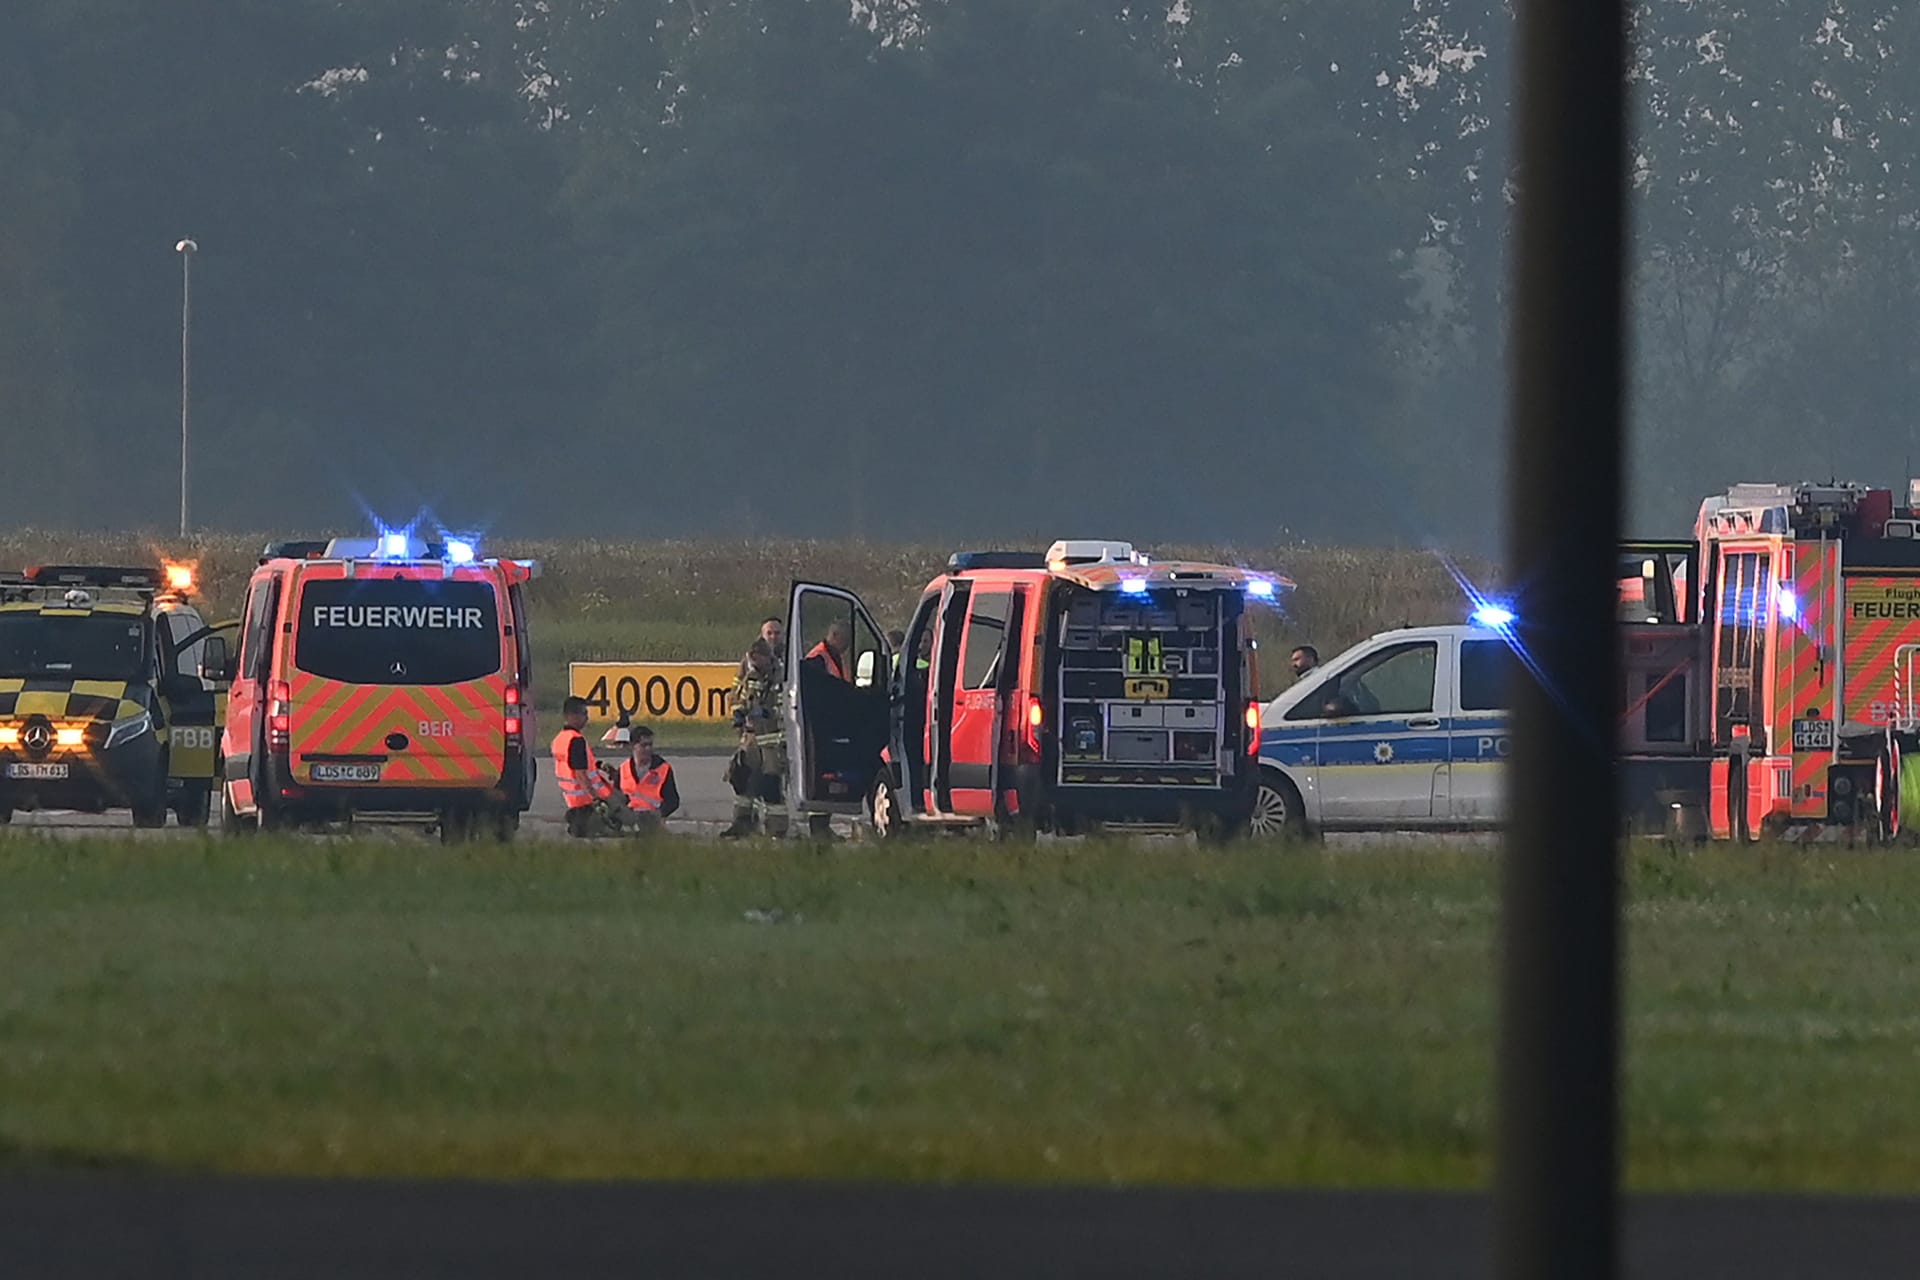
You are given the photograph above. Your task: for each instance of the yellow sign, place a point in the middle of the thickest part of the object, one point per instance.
(1882, 599)
(1148, 688)
(651, 692)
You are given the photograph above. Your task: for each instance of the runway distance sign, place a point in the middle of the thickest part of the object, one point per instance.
(655, 692)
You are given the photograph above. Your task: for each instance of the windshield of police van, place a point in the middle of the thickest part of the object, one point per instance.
(404, 631)
(91, 647)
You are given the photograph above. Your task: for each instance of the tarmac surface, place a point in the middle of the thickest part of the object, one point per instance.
(706, 805)
(706, 808)
(108, 1226)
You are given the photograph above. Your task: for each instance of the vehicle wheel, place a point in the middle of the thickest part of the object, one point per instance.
(1213, 829)
(501, 826)
(231, 822)
(195, 807)
(1010, 831)
(883, 811)
(1890, 793)
(1278, 812)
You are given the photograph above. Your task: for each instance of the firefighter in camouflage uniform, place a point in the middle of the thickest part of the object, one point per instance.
(758, 768)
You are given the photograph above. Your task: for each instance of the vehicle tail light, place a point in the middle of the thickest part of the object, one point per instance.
(513, 715)
(1253, 728)
(279, 715)
(1036, 717)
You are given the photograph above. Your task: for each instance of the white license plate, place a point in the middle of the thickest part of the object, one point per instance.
(346, 773)
(42, 771)
(1813, 735)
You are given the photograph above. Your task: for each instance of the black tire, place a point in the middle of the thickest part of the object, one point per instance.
(195, 807)
(1890, 823)
(1278, 811)
(1015, 831)
(1221, 830)
(231, 822)
(1737, 801)
(150, 817)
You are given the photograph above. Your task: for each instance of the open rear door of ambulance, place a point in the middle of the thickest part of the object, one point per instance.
(837, 714)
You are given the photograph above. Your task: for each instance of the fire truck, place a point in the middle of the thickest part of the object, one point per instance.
(1809, 630)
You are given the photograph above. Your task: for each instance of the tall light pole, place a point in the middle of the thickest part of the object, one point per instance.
(186, 249)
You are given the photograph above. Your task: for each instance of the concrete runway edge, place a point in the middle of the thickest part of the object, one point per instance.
(112, 1225)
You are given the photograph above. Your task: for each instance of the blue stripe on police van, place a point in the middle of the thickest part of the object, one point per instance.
(1343, 747)
(1463, 739)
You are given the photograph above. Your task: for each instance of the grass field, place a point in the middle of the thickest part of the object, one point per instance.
(667, 600)
(1072, 1013)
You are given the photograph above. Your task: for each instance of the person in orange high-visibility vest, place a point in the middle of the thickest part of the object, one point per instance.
(646, 779)
(831, 652)
(575, 769)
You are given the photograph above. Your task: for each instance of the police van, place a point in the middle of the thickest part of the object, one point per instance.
(1408, 730)
(387, 678)
(1085, 686)
(111, 692)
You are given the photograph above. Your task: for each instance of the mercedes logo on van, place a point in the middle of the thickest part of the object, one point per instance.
(37, 737)
(398, 668)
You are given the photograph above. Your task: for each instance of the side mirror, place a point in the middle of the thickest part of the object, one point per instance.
(216, 664)
(863, 670)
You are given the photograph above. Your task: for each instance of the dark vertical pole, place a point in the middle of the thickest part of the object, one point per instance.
(1557, 1191)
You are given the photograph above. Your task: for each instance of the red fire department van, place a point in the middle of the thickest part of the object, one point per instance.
(1086, 686)
(382, 679)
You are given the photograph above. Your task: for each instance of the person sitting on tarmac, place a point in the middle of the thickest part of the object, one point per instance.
(646, 779)
(578, 773)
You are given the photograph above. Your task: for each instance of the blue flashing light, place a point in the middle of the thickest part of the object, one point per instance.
(1260, 587)
(459, 551)
(393, 546)
(1788, 604)
(1133, 586)
(1492, 616)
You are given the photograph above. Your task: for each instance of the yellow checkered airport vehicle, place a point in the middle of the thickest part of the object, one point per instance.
(112, 692)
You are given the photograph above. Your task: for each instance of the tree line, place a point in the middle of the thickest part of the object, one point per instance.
(1205, 269)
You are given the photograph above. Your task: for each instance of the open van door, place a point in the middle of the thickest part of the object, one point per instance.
(1006, 686)
(911, 696)
(837, 721)
(943, 697)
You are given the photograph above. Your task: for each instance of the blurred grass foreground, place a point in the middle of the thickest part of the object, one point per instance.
(1092, 1013)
